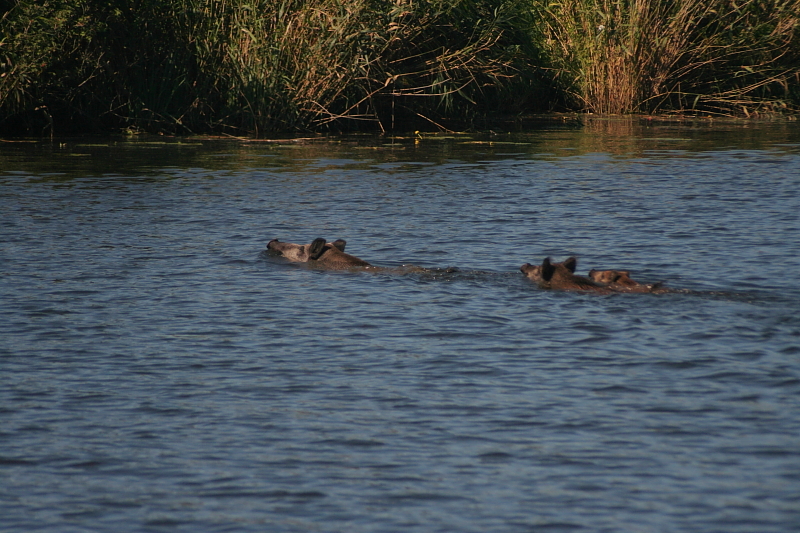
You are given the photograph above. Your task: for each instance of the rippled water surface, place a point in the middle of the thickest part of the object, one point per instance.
(161, 373)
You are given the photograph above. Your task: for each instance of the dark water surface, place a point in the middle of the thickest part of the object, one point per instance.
(160, 373)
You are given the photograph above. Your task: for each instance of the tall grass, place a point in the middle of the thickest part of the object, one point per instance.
(270, 65)
(624, 56)
(309, 64)
(44, 52)
(255, 66)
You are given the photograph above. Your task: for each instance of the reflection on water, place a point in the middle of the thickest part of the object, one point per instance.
(160, 372)
(556, 139)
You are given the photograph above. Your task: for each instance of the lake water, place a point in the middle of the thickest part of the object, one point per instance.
(161, 373)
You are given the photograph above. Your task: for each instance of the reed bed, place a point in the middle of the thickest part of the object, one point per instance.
(258, 66)
(313, 64)
(248, 66)
(641, 56)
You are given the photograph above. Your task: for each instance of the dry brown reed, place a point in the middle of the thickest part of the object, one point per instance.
(310, 63)
(253, 66)
(624, 56)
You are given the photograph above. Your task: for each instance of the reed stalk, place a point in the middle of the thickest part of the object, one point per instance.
(251, 65)
(627, 56)
(254, 66)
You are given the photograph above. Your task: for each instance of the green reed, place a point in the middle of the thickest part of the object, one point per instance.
(624, 56)
(251, 65)
(297, 64)
(255, 66)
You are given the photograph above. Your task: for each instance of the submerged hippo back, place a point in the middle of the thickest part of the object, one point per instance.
(332, 257)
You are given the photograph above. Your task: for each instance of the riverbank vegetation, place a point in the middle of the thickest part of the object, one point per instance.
(257, 66)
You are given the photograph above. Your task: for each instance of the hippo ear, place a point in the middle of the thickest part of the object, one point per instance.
(340, 244)
(547, 269)
(571, 264)
(316, 248)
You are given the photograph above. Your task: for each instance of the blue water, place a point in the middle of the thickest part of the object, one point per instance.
(161, 373)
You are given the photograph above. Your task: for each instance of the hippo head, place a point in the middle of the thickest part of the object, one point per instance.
(330, 254)
(296, 252)
(304, 252)
(620, 281)
(620, 277)
(544, 273)
(561, 276)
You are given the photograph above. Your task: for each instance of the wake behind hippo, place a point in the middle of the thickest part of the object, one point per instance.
(320, 252)
(561, 276)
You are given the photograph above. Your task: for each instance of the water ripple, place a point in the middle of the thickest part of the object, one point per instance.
(160, 371)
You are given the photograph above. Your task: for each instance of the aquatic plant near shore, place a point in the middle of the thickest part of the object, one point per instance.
(626, 56)
(307, 64)
(252, 66)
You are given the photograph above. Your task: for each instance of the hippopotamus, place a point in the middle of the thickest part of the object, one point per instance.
(620, 280)
(320, 252)
(561, 276)
(621, 277)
